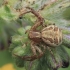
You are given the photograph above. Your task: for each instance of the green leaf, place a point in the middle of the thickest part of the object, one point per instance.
(7, 9)
(66, 40)
(21, 31)
(19, 50)
(66, 13)
(17, 39)
(54, 13)
(19, 62)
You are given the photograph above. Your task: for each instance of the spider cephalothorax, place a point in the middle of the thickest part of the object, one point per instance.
(47, 36)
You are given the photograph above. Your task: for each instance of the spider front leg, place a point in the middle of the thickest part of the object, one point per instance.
(40, 19)
(37, 52)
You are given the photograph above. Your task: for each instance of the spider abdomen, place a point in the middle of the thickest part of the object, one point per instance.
(52, 35)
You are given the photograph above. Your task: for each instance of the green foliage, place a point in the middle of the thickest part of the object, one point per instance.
(19, 62)
(66, 13)
(8, 26)
(20, 46)
(21, 49)
(66, 41)
(54, 12)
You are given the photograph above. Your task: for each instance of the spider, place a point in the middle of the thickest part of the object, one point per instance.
(47, 36)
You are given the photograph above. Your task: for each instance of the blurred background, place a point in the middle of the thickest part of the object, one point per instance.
(9, 23)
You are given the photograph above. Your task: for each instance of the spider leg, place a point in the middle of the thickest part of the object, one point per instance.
(44, 48)
(53, 57)
(39, 50)
(35, 55)
(29, 58)
(36, 49)
(33, 48)
(40, 20)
